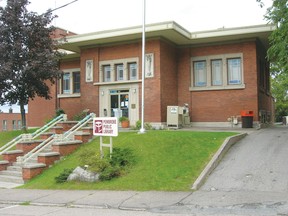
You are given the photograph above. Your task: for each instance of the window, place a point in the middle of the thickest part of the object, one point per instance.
(107, 73)
(217, 72)
(234, 71)
(76, 82)
(71, 82)
(200, 74)
(120, 72)
(19, 124)
(66, 83)
(132, 71)
(4, 125)
(14, 125)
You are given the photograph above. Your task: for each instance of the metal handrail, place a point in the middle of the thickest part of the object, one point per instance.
(79, 125)
(56, 137)
(28, 137)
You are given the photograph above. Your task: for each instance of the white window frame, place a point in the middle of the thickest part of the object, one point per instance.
(107, 73)
(115, 67)
(120, 72)
(69, 92)
(133, 71)
(210, 85)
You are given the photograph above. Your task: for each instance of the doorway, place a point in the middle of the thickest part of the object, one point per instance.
(119, 101)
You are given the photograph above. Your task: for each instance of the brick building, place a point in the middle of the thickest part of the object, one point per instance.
(10, 121)
(216, 73)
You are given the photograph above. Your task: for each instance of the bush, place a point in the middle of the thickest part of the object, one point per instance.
(109, 173)
(81, 115)
(122, 157)
(147, 125)
(107, 167)
(94, 161)
(59, 112)
(63, 176)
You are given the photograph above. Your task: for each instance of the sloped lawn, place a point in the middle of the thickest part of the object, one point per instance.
(165, 160)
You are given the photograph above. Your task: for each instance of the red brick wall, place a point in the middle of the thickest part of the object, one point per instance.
(9, 117)
(169, 78)
(217, 106)
(41, 110)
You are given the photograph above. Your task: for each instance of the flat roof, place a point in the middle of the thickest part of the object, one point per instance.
(171, 31)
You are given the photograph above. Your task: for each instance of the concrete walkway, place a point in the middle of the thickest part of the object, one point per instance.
(252, 179)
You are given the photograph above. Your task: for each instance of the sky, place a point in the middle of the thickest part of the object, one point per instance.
(86, 16)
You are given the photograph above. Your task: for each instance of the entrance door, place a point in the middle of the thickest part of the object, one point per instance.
(119, 100)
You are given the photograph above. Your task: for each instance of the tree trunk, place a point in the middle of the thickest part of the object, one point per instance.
(23, 117)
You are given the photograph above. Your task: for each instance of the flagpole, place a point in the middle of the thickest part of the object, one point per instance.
(142, 130)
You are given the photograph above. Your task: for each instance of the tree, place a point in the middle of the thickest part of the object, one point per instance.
(277, 15)
(28, 55)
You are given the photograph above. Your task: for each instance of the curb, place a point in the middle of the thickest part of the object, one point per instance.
(216, 159)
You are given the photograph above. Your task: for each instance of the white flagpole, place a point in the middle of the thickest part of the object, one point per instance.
(142, 130)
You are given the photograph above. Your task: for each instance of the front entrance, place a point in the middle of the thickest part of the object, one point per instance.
(119, 101)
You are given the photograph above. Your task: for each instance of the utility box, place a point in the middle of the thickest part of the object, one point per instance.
(174, 117)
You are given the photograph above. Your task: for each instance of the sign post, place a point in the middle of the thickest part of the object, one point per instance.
(105, 126)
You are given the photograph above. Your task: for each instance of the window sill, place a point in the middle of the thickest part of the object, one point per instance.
(69, 95)
(117, 82)
(216, 88)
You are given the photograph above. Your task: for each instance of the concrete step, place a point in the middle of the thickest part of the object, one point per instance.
(11, 179)
(11, 173)
(14, 168)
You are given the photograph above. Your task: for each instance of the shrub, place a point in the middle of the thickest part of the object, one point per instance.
(94, 161)
(109, 173)
(59, 111)
(81, 115)
(122, 157)
(63, 176)
(147, 125)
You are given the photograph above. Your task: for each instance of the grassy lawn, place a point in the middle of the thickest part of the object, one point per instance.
(165, 160)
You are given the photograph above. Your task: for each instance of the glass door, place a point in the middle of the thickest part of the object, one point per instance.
(119, 100)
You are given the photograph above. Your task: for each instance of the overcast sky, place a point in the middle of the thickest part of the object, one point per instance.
(84, 16)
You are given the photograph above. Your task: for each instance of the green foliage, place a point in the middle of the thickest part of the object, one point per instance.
(80, 115)
(94, 161)
(63, 176)
(147, 125)
(28, 55)
(59, 111)
(122, 157)
(109, 173)
(123, 118)
(107, 167)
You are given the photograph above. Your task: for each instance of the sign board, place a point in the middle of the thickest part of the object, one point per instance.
(105, 126)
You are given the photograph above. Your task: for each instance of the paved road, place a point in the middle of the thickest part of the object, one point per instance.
(252, 179)
(257, 163)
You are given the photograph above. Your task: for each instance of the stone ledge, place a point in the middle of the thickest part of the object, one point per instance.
(33, 165)
(48, 154)
(13, 152)
(69, 142)
(4, 162)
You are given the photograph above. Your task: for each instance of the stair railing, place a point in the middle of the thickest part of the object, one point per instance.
(29, 137)
(68, 135)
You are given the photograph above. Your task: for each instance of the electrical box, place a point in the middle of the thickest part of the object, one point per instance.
(174, 117)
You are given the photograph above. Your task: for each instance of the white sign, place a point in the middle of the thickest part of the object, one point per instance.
(105, 126)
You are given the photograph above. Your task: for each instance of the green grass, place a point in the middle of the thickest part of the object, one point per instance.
(6, 136)
(165, 160)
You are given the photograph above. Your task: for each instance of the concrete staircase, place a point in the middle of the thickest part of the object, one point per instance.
(12, 171)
